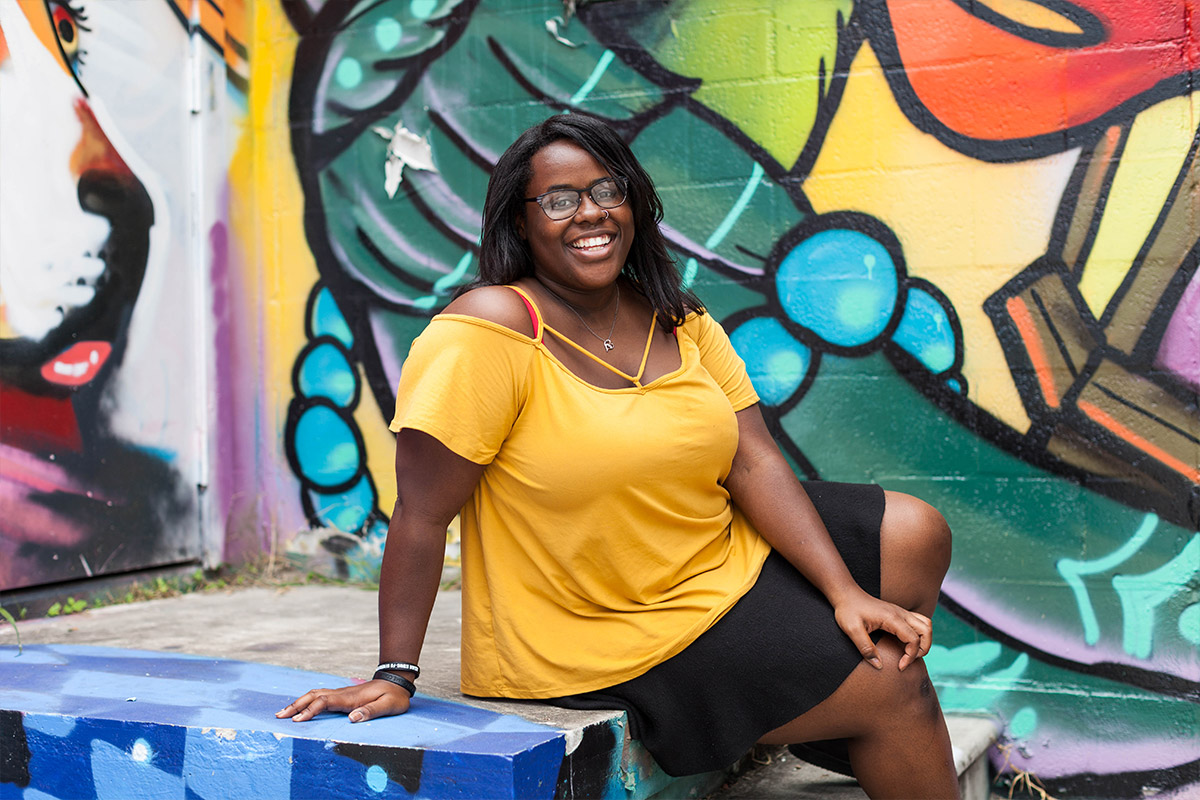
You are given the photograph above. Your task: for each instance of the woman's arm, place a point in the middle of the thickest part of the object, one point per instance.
(432, 484)
(763, 486)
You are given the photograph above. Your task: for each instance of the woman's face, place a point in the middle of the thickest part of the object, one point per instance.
(583, 252)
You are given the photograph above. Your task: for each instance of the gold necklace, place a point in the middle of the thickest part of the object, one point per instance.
(606, 340)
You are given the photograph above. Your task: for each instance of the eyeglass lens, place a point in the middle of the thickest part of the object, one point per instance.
(563, 203)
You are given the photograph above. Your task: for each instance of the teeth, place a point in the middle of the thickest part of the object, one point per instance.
(591, 241)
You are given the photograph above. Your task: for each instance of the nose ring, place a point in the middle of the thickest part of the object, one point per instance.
(606, 214)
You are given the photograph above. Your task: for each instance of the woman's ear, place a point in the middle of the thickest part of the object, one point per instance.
(519, 222)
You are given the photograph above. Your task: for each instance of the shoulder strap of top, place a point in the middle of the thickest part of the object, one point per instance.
(636, 380)
(534, 316)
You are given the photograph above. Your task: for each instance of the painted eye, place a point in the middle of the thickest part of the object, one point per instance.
(68, 25)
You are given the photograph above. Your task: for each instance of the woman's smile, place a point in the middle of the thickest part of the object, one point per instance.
(592, 244)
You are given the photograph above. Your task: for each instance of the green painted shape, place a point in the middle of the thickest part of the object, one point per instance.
(1023, 723)
(967, 659)
(602, 65)
(494, 106)
(423, 9)
(388, 34)
(765, 65)
(349, 73)
(1078, 706)
(1073, 570)
(1013, 521)
(718, 236)
(1189, 623)
(713, 192)
(1142, 595)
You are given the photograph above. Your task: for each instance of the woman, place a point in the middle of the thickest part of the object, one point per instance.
(632, 537)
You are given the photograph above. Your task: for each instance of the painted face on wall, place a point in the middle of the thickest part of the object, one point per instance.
(84, 228)
(74, 217)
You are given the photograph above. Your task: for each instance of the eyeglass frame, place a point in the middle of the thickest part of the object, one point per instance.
(621, 183)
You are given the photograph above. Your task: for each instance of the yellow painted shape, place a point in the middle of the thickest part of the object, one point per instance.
(42, 26)
(1158, 143)
(380, 443)
(967, 226)
(277, 238)
(759, 63)
(263, 180)
(1031, 15)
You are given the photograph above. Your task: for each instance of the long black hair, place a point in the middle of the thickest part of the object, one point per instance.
(504, 256)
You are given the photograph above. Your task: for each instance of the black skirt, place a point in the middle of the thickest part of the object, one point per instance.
(777, 653)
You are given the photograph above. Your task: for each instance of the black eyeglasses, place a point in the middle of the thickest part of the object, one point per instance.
(560, 204)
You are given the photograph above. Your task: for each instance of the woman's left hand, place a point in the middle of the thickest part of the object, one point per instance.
(861, 615)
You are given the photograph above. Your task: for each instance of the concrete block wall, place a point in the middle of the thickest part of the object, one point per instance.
(955, 244)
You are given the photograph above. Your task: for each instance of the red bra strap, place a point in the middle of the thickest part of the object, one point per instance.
(533, 318)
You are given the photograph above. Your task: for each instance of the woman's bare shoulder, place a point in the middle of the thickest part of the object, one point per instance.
(498, 304)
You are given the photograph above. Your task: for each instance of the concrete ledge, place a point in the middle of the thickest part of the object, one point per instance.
(105, 723)
(971, 738)
(782, 776)
(251, 652)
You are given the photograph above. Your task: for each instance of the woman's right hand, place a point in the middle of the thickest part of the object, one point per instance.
(369, 700)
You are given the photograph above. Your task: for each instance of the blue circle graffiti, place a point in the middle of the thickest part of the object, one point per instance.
(925, 331)
(841, 285)
(776, 362)
(326, 447)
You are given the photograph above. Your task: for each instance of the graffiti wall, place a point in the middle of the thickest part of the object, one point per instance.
(955, 242)
(112, 159)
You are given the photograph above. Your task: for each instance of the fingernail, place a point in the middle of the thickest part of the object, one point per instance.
(356, 716)
(876, 663)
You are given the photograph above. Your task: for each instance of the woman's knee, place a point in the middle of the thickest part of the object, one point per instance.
(914, 551)
(918, 530)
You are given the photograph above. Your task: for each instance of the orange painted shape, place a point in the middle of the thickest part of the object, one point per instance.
(1027, 329)
(3, 47)
(236, 25)
(1149, 448)
(212, 22)
(43, 27)
(94, 151)
(988, 83)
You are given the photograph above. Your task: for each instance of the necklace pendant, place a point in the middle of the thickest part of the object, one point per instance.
(608, 345)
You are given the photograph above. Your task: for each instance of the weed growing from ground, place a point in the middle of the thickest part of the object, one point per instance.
(1020, 777)
(9, 619)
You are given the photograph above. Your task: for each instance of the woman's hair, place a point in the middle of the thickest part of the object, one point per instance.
(504, 256)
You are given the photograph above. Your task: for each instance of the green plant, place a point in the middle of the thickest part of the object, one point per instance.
(9, 619)
(69, 606)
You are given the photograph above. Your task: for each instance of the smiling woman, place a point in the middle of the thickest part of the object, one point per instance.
(629, 528)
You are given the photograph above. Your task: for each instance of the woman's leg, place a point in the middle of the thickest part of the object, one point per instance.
(898, 742)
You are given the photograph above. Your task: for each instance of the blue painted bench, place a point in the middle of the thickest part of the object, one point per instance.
(114, 724)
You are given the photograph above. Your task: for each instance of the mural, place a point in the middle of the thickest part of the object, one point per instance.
(99, 389)
(955, 243)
